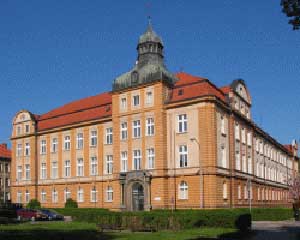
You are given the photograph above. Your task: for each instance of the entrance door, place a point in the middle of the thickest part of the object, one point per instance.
(137, 197)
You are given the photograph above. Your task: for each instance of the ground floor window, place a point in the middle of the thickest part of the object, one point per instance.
(109, 194)
(183, 190)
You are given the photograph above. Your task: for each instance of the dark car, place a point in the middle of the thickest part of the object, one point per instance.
(52, 215)
(31, 214)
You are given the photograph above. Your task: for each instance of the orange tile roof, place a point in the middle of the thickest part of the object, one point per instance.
(289, 147)
(226, 89)
(86, 109)
(190, 86)
(4, 151)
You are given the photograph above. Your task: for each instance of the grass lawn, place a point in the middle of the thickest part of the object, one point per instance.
(88, 231)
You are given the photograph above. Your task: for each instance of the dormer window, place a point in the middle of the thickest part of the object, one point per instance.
(134, 77)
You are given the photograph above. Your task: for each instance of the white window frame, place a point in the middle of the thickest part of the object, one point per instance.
(150, 126)
(94, 195)
(124, 131)
(223, 157)
(109, 135)
(93, 138)
(150, 158)
(54, 196)
(67, 194)
(80, 195)
(183, 156)
(19, 173)
(182, 123)
(223, 129)
(237, 160)
(19, 197)
(27, 171)
(27, 196)
(109, 164)
(43, 170)
(54, 170)
(136, 128)
(137, 159)
(136, 100)
(43, 196)
(183, 190)
(124, 161)
(109, 194)
(27, 149)
(67, 143)
(43, 147)
(225, 191)
(149, 97)
(54, 145)
(94, 166)
(79, 141)
(67, 168)
(19, 150)
(80, 167)
(123, 103)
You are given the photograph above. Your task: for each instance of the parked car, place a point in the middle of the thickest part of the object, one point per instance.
(31, 214)
(52, 215)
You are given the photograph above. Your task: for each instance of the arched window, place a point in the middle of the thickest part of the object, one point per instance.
(183, 190)
(224, 190)
(109, 194)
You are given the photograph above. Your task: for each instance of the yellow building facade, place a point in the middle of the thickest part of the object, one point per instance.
(157, 140)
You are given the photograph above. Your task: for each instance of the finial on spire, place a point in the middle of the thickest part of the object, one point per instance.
(149, 16)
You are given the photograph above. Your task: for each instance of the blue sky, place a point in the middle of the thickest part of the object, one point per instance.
(54, 52)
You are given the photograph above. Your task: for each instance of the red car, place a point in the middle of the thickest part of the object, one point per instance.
(31, 214)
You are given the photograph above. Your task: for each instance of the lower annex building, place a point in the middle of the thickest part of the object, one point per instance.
(157, 140)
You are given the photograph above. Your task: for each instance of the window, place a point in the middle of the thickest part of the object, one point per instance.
(109, 164)
(79, 141)
(109, 194)
(27, 128)
(27, 149)
(43, 147)
(27, 171)
(67, 143)
(239, 192)
(54, 144)
(27, 196)
(237, 160)
(94, 195)
(243, 135)
(136, 128)
(94, 166)
(244, 164)
(123, 103)
(137, 159)
(19, 130)
(19, 197)
(223, 131)
(258, 194)
(43, 171)
(182, 123)
(245, 192)
(109, 135)
(43, 196)
(54, 196)
(149, 97)
(19, 150)
(19, 173)
(54, 170)
(237, 131)
(93, 138)
(223, 157)
(183, 190)
(123, 130)
(224, 190)
(67, 194)
(150, 158)
(136, 100)
(183, 156)
(249, 163)
(249, 139)
(150, 127)
(124, 161)
(80, 195)
(67, 168)
(80, 170)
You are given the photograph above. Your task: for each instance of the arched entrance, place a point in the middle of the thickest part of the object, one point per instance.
(137, 197)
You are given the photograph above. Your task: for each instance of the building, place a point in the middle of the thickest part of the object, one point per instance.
(157, 140)
(5, 159)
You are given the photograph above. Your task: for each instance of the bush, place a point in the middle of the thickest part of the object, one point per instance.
(70, 203)
(33, 204)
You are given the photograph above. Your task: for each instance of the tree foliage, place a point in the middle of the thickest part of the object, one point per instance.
(292, 9)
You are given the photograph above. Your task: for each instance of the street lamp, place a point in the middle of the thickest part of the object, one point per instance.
(193, 139)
